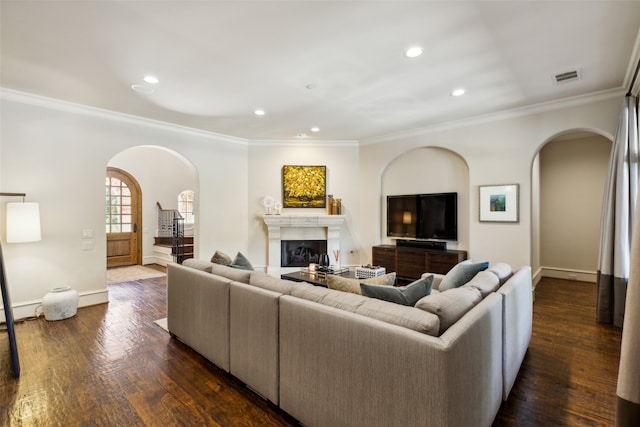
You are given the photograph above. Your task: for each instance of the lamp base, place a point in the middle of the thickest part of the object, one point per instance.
(61, 303)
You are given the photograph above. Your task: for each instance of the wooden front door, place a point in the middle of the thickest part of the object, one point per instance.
(123, 219)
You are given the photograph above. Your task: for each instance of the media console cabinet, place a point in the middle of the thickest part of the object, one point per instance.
(410, 262)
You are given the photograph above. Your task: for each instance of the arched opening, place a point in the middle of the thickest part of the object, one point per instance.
(162, 175)
(428, 170)
(568, 179)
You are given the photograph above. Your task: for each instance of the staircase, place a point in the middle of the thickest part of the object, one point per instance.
(178, 253)
(171, 242)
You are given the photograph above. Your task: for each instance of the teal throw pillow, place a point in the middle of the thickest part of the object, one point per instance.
(405, 295)
(241, 262)
(461, 274)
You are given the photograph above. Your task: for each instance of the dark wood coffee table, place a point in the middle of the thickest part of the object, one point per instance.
(314, 278)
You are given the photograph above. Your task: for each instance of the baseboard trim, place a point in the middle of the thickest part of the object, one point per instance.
(569, 274)
(32, 308)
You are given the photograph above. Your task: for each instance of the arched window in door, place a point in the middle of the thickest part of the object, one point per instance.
(118, 203)
(185, 206)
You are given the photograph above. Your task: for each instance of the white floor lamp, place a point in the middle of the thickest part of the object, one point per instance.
(23, 225)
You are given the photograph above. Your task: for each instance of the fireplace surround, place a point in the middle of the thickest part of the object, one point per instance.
(299, 227)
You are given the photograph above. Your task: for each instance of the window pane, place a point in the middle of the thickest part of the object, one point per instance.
(125, 191)
(115, 182)
(126, 219)
(115, 228)
(126, 228)
(115, 191)
(126, 201)
(107, 228)
(126, 210)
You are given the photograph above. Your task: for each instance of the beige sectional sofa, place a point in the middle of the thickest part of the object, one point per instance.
(332, 358)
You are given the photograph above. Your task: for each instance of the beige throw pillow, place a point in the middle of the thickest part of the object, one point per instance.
(221, 258)
(346, 284)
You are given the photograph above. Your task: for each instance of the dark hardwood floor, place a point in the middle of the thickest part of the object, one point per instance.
(112, 366)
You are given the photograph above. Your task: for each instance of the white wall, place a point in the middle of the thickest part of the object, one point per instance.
(497, 151)
(58, 153)
(265, 177)
(162, 174)
(572, 179)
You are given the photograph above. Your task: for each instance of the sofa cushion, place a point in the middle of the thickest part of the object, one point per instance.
(485, 281)
(460, 274)
(221, 258)
(262, 280)
(502, 270)
(309, 292)
(395, 314)
(405, 295)
(241, 262)
(346, 284)
(198, 264)
(231, 273)
(450, 305)
(400, 315)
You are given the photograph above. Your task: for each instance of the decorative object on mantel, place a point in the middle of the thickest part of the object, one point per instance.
(268, 203)
(61, 303)
(334, 206)
(499, 203)
(278, 207)
(304, 186)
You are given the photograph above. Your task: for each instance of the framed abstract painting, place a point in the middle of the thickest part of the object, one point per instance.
(304, 186)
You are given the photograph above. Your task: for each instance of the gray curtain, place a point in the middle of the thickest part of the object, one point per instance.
(628, 391)
(618, 213)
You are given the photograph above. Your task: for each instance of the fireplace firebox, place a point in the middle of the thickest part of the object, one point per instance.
(299, 253)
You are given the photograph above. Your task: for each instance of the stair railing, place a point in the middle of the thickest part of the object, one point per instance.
(171, 224)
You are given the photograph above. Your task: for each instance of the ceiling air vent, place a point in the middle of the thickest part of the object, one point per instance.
(566, 77)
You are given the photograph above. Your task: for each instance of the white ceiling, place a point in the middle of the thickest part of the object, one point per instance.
(218, 61)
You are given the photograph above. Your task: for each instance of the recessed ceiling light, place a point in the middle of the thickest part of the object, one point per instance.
(413, 52)
(457, 92)
(142, 88)
(151, 80)
(259, 112)
(315, 129)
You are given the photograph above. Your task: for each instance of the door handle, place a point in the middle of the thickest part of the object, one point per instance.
(135, 228)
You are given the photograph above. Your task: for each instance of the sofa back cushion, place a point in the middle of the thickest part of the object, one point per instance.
(395, 314)
(450, 305)
(235, 274)
(346, 284)
(502, 270)
(401, 315)
(198, 264)
(270, 283)
(485, 281)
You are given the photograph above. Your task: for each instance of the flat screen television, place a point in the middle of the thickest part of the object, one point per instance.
(423, 216)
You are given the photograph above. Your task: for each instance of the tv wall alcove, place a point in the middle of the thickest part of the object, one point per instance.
(428, 170)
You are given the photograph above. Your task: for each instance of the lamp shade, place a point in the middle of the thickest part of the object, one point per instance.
(406, 217)
(23, 222)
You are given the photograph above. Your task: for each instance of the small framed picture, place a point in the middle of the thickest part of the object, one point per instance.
(499, 203)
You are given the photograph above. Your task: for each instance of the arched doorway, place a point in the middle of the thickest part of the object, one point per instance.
(123, 219)
(568, 179)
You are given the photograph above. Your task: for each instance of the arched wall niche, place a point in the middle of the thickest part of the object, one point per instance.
(428, 170)
(569, 173)
(162, 174)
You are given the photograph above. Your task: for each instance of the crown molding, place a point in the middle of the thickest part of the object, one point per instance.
(304, 142)
(502, 115)
(85, 110)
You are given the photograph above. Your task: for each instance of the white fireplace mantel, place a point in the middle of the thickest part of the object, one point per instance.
(275, 223)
